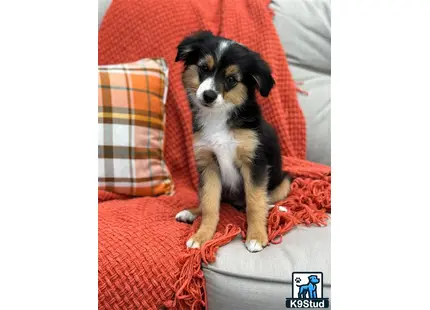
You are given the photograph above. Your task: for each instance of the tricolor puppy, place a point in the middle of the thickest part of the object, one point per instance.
(237, 151)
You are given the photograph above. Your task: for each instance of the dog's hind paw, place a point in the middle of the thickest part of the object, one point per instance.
(185, 216)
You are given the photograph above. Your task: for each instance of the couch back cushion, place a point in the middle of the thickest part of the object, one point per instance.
(304, 28)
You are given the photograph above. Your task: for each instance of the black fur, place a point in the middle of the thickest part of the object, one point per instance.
(256, 75)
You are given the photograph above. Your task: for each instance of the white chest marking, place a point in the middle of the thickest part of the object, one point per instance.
(216, 137)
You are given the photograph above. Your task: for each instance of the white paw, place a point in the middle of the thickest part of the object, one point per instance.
(253, 246)
(185, 216)
(280, 208)
(192, 244)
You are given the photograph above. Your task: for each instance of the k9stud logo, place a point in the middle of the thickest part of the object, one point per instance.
(307, 291)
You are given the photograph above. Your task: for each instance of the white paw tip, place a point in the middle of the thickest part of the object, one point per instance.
(192, 244)
(271, 207)
(254, 246)
(185, 216)
(282, 209)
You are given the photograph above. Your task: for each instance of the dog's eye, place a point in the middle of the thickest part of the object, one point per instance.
(204, 68)
(231, 81)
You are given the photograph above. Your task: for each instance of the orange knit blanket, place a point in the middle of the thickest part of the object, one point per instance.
(143, 260)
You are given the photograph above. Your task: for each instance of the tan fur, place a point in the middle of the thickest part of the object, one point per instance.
(255, 195)
(256, 207)
(190, 78)
(210, 62)
(204, 157)
(210, 196)
(237, 95)
(247, 144)
(231, 70)
(210, 191)
(280, 192)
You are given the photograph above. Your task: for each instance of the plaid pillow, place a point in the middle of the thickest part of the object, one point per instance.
(131, 128)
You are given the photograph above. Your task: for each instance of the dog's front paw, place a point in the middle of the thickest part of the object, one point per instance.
(198, 239)
(254, 245)
(185, 216)
(193, 244)
(256, 241)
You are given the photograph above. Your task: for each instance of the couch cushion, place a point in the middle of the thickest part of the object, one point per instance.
(316, 107)
(242, 280)
(304, 28)
(103, 6)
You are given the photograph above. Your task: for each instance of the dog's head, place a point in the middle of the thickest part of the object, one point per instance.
(314, 279)
(221, 74)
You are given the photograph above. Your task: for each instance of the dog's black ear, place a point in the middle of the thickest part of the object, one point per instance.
(190, 44)
(262, 75)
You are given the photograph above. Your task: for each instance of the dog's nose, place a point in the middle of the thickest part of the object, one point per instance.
(209, 96)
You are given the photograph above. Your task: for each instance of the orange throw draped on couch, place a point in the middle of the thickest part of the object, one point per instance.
(143, 260)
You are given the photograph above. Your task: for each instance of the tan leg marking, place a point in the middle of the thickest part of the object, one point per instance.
(255, 195)
(256, 211)
(280, 192)
(204, 158)
(210, 196)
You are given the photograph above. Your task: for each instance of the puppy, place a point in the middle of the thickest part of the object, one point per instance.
(237, 152)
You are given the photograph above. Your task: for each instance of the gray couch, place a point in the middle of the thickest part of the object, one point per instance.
(239, 279)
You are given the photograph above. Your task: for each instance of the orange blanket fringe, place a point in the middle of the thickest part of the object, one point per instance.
(143, 261)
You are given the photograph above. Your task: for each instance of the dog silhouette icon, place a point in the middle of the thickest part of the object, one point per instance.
(309, 290)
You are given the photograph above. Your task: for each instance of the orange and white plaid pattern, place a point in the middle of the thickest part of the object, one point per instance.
(131, 128)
